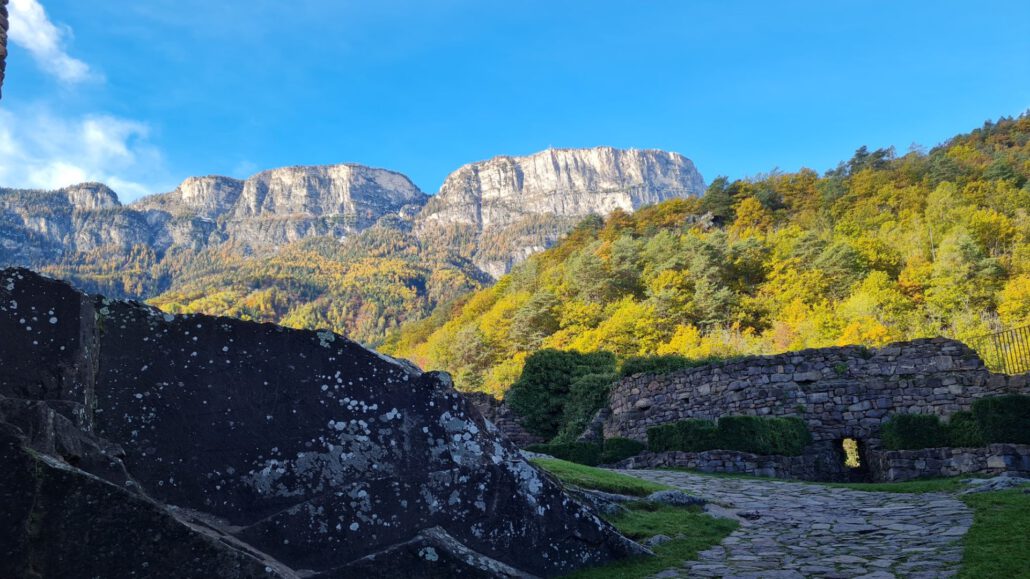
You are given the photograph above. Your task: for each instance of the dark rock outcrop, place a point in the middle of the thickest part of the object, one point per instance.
(136, 443)
(3, 43)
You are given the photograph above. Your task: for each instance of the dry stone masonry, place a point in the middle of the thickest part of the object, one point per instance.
(137, 443)
(840, 393)
(3, 42)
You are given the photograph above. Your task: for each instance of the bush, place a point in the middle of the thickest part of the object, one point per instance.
(541, 393)
(1004, 418)
(913, 431)
(754, 434)
(616, 449)
(694, 435)
(587, 395)
(655, 364)
(579, 452)
(758, 435)
(964, 431)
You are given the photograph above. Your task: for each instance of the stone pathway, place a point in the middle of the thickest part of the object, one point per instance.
(809, 530)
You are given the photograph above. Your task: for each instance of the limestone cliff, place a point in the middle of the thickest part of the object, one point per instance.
(566, 182)
(278, 206)
(520, 205)
(137, 443)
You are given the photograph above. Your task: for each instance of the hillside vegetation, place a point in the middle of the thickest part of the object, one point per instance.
(882, 248)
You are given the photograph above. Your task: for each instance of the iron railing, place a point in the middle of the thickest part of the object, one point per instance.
(1007, 351)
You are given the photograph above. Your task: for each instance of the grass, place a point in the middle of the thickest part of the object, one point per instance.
(691, 529)
(597, 479)
(998, 543)
(692, 532)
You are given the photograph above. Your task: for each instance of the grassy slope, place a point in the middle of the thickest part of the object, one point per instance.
(692, 530)
(597, 479)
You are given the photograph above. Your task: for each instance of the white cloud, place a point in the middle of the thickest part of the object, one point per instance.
(40, 150)
(32, 30)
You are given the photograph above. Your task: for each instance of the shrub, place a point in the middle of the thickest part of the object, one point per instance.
(913, 431)
(790, 436)
(692, 435)
(655, 364)
(587, 395)
(754, 434)
(616, 449)
(1004, 418)
(541, 393)
(964, 431)
(758, 435)
(579, 452)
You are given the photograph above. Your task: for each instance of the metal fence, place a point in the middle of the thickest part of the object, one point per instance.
(1007, 351)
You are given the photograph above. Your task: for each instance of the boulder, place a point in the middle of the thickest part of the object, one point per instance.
(138, 443)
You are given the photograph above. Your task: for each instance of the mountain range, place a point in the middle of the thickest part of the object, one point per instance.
(354, 248)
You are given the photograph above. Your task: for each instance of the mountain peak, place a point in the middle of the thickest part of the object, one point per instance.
(92, 195)
(563, 182)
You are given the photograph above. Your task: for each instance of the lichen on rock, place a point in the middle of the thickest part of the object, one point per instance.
(267, 448)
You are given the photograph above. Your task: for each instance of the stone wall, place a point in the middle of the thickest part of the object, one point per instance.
(3, 41)
(502, 416)
(806, 467)
(898, 465)
(823, 463)
(838, 392)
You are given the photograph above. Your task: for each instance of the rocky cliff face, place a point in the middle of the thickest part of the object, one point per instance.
(39, 227)
(566, 182)
(546, 193)
(285, 453)
(279, 206)
(261, 213)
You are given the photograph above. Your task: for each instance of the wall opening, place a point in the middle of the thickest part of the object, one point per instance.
(851, 453)
(852, 458)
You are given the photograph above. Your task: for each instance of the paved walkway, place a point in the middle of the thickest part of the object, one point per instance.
(809, 530)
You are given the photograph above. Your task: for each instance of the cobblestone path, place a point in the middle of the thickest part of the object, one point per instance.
(810, 530)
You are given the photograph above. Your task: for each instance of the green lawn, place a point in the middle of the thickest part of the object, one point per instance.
(998, 544)
(598, 479)
(691, 529)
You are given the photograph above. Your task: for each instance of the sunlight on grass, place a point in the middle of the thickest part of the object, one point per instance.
(596, 478)
(690, 528)
(692, 531)
(998, 544)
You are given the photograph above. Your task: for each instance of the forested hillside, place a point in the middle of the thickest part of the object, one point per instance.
(362, 288)
(882, 248)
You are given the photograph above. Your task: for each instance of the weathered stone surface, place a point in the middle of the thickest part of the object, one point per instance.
(283, 452)
(3, 43)
(998, 483)
(675, 498)
(503, 417)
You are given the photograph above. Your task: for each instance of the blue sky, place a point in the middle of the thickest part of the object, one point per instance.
(142, 94)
